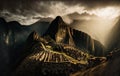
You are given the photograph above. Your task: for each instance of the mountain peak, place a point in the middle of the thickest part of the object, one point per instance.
(2, 20)
(59, 19)
(55, 25)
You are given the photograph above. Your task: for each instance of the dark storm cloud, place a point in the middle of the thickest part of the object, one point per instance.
(17, 6)
(94, 3)
(43, 6)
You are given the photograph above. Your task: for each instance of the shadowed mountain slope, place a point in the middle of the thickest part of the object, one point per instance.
(12, 40)
(109, 68)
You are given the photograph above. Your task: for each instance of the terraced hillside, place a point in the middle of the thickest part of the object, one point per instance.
(46, 55)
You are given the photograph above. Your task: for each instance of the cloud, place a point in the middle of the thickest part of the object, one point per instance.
(94, 3)
(24, 13)
(24, 10)
(44, 6)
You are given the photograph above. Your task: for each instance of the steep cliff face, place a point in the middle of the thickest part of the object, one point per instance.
(62, 33)
(4, 66)
(57, 29)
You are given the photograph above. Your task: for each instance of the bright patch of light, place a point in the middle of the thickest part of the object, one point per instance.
(98, 28)
(62, 9)
(108, 12)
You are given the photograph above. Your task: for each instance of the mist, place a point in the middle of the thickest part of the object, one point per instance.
(98, 29)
